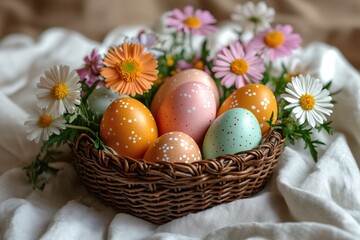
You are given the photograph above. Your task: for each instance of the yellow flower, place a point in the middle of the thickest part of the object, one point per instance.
(129, 70)
(170, 61)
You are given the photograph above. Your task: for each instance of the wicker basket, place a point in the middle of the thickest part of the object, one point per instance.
(160, 192)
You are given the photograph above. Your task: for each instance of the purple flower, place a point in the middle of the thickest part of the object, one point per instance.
(198, 22)
(149, 41)
(237, 66)
(276, 42)
(183, 65)
(91, 68)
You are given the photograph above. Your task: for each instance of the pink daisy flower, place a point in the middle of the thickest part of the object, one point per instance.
(276, 42)
(91, 68)
(197, 22)
(237, 66)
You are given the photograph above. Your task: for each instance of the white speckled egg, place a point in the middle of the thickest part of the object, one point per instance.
(190, 108)
(235, 130)
(101, 98)
(175, 147)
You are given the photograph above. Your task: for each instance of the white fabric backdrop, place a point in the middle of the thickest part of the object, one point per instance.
(303, 200)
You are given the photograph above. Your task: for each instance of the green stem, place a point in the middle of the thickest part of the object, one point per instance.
(191, 42)
(92, 132)
(172, 47)
(81, 128)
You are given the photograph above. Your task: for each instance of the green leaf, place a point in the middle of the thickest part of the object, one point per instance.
(40, 168)
(267, 75)
(313, 152)
(97, 144)
(73, 117)
(204, 51)
(88, 90)
(327, 85)
(326, 126)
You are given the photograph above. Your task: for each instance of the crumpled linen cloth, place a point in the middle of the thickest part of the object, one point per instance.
(303, 200)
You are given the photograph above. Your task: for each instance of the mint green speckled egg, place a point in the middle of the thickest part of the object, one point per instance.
(234, 131)
(101, 98)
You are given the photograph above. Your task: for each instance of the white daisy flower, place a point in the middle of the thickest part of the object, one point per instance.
(43, 125)
(308, 100)
(295, 66)
(59, 91)
(253, 17)
(293, 69)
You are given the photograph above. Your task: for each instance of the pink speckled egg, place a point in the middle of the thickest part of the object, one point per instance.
(190, 108)
(128, 127)
(175, 147)
(189, 75)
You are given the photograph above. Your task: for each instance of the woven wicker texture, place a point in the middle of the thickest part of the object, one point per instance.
(160, 192)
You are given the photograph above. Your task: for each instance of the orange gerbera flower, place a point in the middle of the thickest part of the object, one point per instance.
(129, 70)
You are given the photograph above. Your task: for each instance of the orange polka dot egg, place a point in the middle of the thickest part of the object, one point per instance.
(258, 99)
(174, 147)
(128, 127)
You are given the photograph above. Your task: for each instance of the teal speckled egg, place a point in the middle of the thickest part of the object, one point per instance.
(101, 98)
(234, 131)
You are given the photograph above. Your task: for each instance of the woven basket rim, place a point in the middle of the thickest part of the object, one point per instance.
(271, 140)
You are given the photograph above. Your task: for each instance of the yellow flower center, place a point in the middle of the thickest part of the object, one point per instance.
(199, 65)
(170, 61)
(173, 72)
(192, 22)
(239, 66)
(255, 20)
(307, 102)
(45, 121)
(274, 39)
(59, 91)
(129, 69)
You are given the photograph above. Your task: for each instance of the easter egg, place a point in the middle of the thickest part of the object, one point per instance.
(128, 127)
(189, 75)
(175, 147)
(234, 131)
(256, 98)
(101, 98)
(190, 109)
